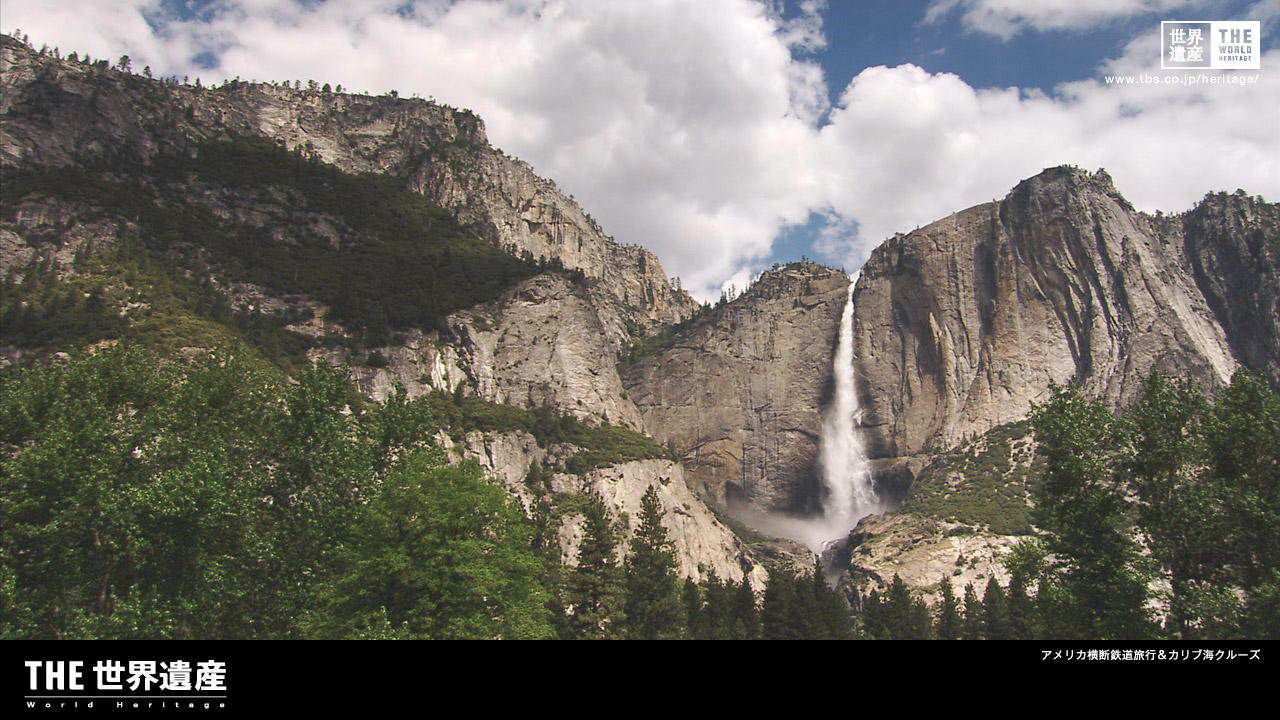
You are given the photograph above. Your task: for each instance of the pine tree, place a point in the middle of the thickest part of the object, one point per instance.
(780, 615)
(718, 609)
(995, 612)
(653, 604)
(971, 628)
(1022, 609)
(831, 618)
(746, 614)
(948, 625)
(695, 618)
(1099, 575)
(904, 616)
(593, 593)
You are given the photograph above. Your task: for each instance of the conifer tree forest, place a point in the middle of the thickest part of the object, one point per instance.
(1158, 522)
(209, 498)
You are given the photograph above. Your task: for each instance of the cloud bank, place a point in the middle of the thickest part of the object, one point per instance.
(1006, 18)
(702, 130)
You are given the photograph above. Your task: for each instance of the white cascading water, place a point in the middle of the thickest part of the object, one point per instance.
(851, 494)
(846, 474)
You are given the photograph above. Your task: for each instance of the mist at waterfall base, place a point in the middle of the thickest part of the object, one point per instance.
(849, 490)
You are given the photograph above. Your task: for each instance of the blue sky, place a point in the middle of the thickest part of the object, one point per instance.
(727, 135)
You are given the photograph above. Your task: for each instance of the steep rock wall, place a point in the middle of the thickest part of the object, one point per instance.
(60, 112)
(739, 394)
(963, 324)
(702, 544)
(544, 343)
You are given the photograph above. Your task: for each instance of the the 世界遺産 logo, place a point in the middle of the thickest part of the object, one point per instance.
(1212, 45)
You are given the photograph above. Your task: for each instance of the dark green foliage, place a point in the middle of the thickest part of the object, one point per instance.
(1023, 624)
(782, 616)
(211, 500)
(720, 610)
(391, 260)
(1099, 579)
(439, 553)
(996, 622)
(947, 626)
(127, 293)
(168, 489)
(1207, 504)
(1181, 513)
(897, 615)
(643, 346)
(696, 624)
(593, 592)
(746, 614)
(1243, 440)
(602, 445)
(652, 588)
(1209, 488)
(985, 483)
(803, 608)
(40, 311)
(830, 617)
(971, 625)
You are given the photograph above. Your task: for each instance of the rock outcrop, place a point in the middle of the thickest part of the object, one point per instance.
(543, 343)
(1233, 245)
(960, 326)
(963, 324)
(924, 552)
(739, 394)
(702, 544)
(61, 112)
(553, 339)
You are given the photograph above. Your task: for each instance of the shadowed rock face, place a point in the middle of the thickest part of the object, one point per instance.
(739, 394)
(963, 324)
(1233, 245)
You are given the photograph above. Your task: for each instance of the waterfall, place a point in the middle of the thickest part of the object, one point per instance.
(850, 493)
(846, 475)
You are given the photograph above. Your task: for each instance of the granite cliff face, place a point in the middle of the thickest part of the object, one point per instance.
(963, 324)
(1232, 243)
(543, 343)
(58, 113)
(738, 394)
(702, 544)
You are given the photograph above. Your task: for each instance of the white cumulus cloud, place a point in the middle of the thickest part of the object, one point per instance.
(1006, 18)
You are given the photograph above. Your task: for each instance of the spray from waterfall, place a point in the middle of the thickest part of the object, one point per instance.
(850, 493)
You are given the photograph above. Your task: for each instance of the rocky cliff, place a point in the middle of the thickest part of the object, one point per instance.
(1232, 243)
(739, 393)
(548, 339)
(960, 326)
(59, 112)
(543, 343)
(702, 544)
(963, 324)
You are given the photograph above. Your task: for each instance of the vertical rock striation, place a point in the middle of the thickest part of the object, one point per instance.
(963, 324)
(739, 394)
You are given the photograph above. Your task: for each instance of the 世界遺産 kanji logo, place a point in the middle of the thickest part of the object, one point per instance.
(1213, 45)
